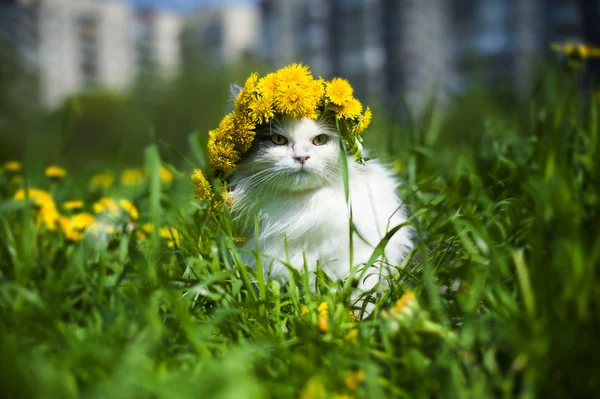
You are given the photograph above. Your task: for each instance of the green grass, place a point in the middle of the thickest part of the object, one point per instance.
(507, 214)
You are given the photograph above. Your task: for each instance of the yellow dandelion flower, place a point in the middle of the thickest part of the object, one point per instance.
(141, 236)
(74, 226)
(261, 110)
(244, 133)
(293, 101)
(407, 298)
(350, 110)
(171, 235)
(166, 176)
(55, 172)
(323, 322)
(82, 220)
(132, 177)
(72, 205)
(37, 196)
(303, 310)
(13, 166)
(314, 389)
(405, 305)
(101, 228)
(223, 157)
(339, 91)
(107, 206)
(247, 92)
(43, 202)
(581, 50)
(148, 227)
(65, 226)
(323, 307)
(318, 88)
(364, 123)
(268, 86)
(49, 216)
(354, 379)
(240, 240)
(129, 208)
(226, 129)
(295, 74)
(201, 185)
(101, 181)
(352, 335)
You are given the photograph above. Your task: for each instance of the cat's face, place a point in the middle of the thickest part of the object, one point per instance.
(291, 155)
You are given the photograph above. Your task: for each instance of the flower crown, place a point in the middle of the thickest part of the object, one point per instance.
(290, 91)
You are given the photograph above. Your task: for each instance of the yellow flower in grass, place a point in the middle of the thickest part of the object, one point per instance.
(364, 122)
(101, 181)
(350, 110)
(339, 91)
(129, 208)
(352, 335)
(43, 202)
(101, 228)
(115, 209)
(323, 317)
(354, 379)
(107, 206)
(579, 50)
(55, 172)
(170, 234)
(314, 389)
(13, 166)
(240, 240)
(404, 306)
(73, 205)
(132, 177)
(201, 185)
(74, 226)
(166, 176)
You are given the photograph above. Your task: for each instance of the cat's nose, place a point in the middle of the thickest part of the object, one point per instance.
(302, 158)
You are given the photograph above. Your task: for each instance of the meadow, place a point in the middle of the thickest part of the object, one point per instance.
(115, 282)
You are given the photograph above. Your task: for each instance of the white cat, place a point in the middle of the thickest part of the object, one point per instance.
(291, 182)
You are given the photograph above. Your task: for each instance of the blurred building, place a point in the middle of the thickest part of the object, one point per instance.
(223, 34)
(78, 44)
(407, 50)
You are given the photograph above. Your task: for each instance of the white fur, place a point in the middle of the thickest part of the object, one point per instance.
(303, 207)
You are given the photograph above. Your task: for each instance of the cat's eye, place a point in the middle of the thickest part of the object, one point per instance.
(278, 139)
(320, 139)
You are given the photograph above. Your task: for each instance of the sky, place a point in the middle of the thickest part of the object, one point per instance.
(185, 5)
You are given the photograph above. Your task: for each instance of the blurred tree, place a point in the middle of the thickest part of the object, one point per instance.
(18, 100)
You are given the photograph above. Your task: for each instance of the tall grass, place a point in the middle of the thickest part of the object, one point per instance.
(505, 276)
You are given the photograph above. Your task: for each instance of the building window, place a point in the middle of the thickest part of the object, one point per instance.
(87, 34)
(144, 37)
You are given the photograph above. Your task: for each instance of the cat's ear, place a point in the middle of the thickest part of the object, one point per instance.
(234, 90)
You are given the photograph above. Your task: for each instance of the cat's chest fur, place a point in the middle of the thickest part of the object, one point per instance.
(312, 228)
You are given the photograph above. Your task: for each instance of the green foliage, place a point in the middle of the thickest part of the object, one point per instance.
(504, 275)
